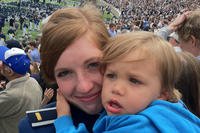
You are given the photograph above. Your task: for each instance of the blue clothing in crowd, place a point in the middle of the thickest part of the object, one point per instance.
(160, 116)
(35, 55)
(112, 33)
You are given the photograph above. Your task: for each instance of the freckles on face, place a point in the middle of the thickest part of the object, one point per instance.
(66, 87)
(77, 73)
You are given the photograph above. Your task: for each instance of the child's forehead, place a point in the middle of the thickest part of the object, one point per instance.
(138, 54)
(135, 56)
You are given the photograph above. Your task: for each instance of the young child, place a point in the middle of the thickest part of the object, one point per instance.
(138, 90)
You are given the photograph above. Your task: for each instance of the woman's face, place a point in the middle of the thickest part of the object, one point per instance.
(77, 73)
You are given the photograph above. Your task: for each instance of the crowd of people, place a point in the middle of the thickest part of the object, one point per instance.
(149, 15)
(87, 74)
(26, 17)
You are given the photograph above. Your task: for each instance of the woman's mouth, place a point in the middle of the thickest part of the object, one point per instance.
(113, 107)
(89, 98)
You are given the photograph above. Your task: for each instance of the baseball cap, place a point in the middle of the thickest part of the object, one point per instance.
(174, 35)
(16, 59)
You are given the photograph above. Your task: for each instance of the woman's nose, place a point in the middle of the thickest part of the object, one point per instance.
(84, 84)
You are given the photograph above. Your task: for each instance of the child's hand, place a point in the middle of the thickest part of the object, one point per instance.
(62, 106)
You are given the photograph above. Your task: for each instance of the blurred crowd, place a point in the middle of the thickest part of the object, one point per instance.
(158, 16)
(149, 15)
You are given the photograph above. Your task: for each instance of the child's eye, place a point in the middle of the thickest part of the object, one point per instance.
(94, 65)
(134, 81)
(110, 75)
(64, 73)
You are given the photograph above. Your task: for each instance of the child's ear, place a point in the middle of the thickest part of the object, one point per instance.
(164, 95)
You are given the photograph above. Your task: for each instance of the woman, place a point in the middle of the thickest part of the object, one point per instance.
(70, 52)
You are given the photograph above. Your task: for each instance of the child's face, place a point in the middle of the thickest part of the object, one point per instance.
(130, 85)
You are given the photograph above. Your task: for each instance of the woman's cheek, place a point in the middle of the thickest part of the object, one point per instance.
(65, 88)
(99, 78)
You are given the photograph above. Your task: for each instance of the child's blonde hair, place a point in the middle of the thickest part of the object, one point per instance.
(150, 46)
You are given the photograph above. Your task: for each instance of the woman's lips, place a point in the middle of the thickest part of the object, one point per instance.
(113, 107)
(89, 98)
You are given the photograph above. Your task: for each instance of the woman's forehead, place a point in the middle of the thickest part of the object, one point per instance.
(79, 52)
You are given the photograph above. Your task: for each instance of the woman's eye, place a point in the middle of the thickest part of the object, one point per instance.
(94, 65)
(134, 81)
(64, 73)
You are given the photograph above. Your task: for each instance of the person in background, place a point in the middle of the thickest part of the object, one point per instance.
(188, 33)
(21, 21)
(173, 40)
(34, 52)
(12, 22)
(132, 96)
(11, 33)
(112, 30)
(21, 93)
(13, 44)
(2, 21)
(71, 52)
(189, 82)
(3, 80)
(25, 29)
(48, 91)
(186, 25)
(34, 68)
(2, 39)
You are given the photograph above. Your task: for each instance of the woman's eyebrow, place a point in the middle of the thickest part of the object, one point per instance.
(92, 59)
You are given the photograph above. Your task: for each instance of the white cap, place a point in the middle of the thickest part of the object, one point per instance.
(174, 35)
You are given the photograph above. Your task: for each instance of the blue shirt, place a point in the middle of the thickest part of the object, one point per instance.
(35, 55)
(112, 33)
(160, 117)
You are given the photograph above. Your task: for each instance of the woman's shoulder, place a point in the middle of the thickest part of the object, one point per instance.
(39, 121)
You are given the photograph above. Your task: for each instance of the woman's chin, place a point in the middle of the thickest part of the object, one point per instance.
(92, 109)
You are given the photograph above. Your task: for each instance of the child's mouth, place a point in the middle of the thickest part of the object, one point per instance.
(113, 107)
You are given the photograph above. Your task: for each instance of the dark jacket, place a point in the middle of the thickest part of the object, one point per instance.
(78, 117)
